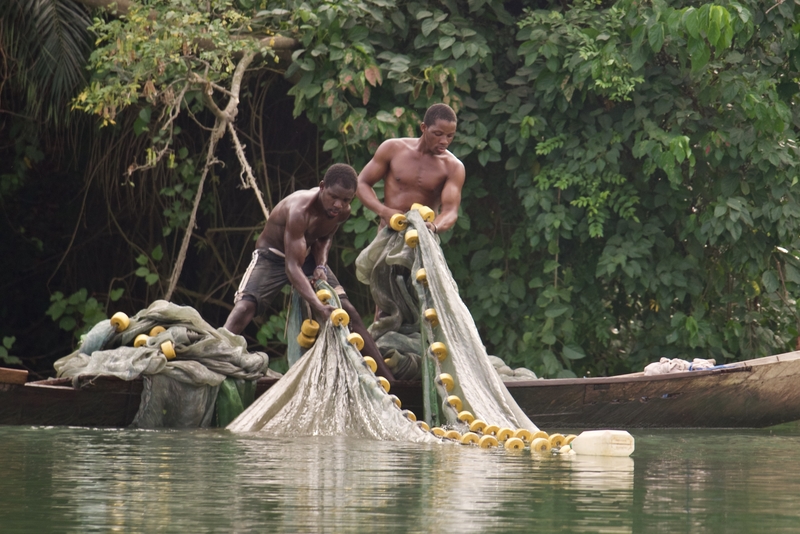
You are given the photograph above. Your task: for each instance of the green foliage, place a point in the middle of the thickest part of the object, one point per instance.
(631, 167)
(649, 146)
(146, 264)
(182, 192)
(273, 329)
(271, 333)
(5, 357)
(79, 312)
(161, 57)
(27, 152)
(45, 43)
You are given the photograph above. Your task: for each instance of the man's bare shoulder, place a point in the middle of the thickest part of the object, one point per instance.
(452, 159)
(455, 167)
(294, 203)
(396, 144)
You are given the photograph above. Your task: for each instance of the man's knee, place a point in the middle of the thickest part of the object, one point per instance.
(242, 313)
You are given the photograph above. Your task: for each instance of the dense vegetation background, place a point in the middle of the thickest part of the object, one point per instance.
(631, 166)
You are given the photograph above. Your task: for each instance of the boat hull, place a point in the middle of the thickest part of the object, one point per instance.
(751, 394)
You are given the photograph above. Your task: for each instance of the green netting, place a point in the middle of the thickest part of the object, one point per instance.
(233, 397)
(180, 393)
(386, 265)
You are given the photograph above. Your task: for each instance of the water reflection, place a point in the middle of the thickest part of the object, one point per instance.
(84, 480)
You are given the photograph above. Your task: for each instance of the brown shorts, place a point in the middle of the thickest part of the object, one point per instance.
(266, 276)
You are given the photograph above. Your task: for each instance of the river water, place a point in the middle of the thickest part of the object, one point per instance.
(100, 480)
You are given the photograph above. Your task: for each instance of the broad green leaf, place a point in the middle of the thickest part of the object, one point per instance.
(330, 144)
(770, 281)
(655, 36)
(556, 310)
(573, 352)
(446, 41)
(428, 25)
(692, 22)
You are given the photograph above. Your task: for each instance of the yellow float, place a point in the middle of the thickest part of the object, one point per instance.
(339, 317)
(157, 330)
(491, 429)
(304, 341)
(487, 442)
(310, 327)
(431, 316)
(384, 383)
(447, 381)
(477, 425)
(540, 445)
(355, 339)
(412, 238)
(470, 438)
(373, 366)
(524, 434)
(168, 349)
(453, 434)
(466, 417)
(439, 350)
(514, 444)
(120, 321)
(455, 402)
(504, 434)
(556, 440)
(398, 222)
(428, 215)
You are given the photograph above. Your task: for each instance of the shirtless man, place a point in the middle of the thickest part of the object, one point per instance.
(294, 246)
(419, 170)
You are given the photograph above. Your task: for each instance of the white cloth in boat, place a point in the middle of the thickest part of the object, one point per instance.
(676, 365)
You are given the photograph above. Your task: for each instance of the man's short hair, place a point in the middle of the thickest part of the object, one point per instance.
(439, 111)
(341, 174)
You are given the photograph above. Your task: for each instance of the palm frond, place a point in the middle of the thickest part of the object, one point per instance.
(49, 43)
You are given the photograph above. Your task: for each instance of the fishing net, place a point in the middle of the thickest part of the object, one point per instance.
(393, 268)
(331, 391)
(212, 373)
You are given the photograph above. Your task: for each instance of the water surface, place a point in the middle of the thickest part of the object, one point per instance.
(100, 480)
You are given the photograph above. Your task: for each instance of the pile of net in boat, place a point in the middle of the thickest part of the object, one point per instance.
(329, 390)
(194, 375)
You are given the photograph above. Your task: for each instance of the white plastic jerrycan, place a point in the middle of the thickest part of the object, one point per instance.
(603, 443)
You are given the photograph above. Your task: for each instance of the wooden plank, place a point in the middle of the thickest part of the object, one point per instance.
(12, 376)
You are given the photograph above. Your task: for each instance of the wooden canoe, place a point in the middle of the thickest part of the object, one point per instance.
(750, 394)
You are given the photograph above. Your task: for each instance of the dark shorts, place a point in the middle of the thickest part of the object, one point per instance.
(266, 276)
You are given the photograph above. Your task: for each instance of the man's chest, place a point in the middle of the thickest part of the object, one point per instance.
(426, 173)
